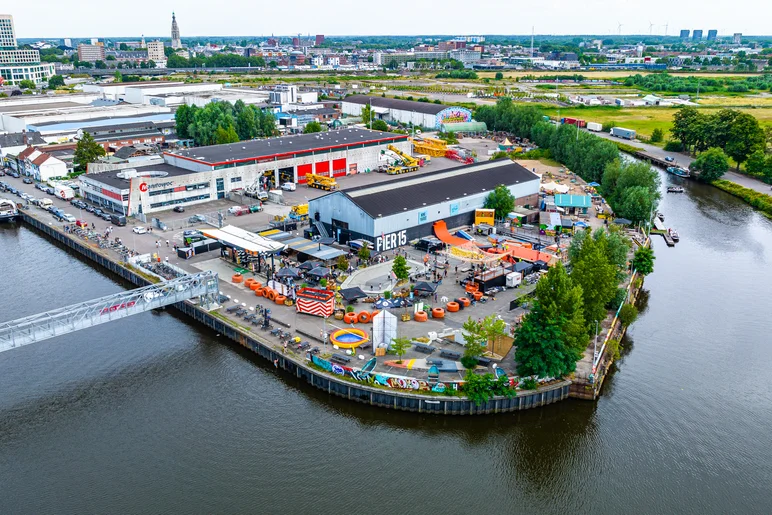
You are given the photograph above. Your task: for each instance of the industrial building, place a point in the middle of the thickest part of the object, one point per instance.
(202, 174)
(421, 114)
(394, 213)
(18, 64)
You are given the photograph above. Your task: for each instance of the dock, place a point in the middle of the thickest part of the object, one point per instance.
(659, 228)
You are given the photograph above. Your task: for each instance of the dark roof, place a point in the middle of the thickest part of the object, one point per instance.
(412, 192)
(246, 150)
(120, 126)
(111, 178)
(118, 136)
(129, 150)
(321, 110)
(38, 106)
(393, 103)
(16, 139)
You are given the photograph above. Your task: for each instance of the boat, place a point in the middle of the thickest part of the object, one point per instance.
(661, 217)
(675, 189)
(678, 171)
(8, 211)
(674, 234)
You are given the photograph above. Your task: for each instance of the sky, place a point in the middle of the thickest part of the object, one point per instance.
(100, 18)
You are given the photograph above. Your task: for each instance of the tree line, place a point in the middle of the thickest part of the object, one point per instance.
(222, 122)
(214, 61)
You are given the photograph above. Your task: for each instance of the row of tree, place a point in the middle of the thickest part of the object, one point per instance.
(632, 189)
(223, 122)
(738, 134)
(215, 61)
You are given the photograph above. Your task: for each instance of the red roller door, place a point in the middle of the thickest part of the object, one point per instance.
(323, 168)
(303, 170)
(339, 167)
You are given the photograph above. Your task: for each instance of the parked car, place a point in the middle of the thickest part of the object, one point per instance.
(669, 159)
(106, 217)
(27, 180)
(191, 232)
(2, 173)
(139, 230)
(81, 223)
(98, 212)
(40, 186)
(90, 208)
(69, 218)
(288, 186)
(50, 190)
(178, 209)
(14, 175)
(197, 219)
(262, 195)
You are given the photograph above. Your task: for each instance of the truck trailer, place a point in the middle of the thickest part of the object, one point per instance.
(619, 132)
(64, 192)
(594, 126)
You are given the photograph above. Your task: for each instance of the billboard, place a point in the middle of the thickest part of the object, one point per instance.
(453, 115)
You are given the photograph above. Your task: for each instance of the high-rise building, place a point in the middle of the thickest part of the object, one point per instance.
(296, 42)
(737, 38)
(319, 39)
(67, 42)
(91, 53)
(712, 34)
(697, 35)
(17, 65)
(155, 51)
(684, 34)
(176, 43)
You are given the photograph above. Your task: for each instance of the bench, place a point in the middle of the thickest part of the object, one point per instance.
(436, 362)
(422, 347)
(340, 358)
(450, 354)
(484, 361)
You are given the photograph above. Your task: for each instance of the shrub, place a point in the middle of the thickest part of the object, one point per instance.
(387, 294)
(469, 362)
(323, 283)
(349, 309)
(656, 135)
(674, 146)
(529, 383)
(619, 298)
(628, 314)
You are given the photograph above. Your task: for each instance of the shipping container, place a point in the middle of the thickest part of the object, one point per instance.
(619, 132)
(594, 126)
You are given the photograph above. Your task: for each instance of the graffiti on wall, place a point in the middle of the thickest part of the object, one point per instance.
(453, 115)
(389, 381)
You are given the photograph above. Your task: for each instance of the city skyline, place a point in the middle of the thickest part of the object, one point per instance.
(195, 20)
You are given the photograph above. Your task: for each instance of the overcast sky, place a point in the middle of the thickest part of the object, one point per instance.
(100, 18)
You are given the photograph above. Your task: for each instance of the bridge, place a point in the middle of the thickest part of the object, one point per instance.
(68, 319)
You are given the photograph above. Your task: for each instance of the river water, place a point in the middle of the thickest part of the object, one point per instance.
(153, 414)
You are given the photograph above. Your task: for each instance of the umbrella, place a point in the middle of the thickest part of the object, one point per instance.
(622, 221)
(425, 287)
(310, 265)
(593, 184)
(320, 271)
(350, 294)
(383, 303)
(290, 272)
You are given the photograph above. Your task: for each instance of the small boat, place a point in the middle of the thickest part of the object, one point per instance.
(8, 211)
(661, 217)
(675, 189)
(678, 171)
(433, 375)
(674, 234)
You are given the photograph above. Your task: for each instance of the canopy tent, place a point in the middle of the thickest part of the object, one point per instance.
(352, 294)
(249, 242)
(593, 184)
(309, 265)
(289, 272)
(553, 186)
(623, 221)
(305, 246)
(424, 286)
(320, 271)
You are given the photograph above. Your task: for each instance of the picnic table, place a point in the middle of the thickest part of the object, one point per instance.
(340, 358)
(450, 354)
(422, 347)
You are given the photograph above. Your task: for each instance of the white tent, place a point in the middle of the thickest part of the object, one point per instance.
(384, 329)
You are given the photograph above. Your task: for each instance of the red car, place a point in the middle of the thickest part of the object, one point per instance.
(81, 223)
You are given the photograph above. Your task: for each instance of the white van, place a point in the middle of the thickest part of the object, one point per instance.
(45, 203)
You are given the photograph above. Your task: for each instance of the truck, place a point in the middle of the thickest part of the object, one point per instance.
(619, 132)
(574, 121)
(64, 192)
(299, 212)
(594, 126)
(321, 182)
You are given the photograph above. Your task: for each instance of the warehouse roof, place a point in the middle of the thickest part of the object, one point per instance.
(408, 193)
(247, 150)
(393, 103)
(112, 178)
(16, 139)
(31, 107)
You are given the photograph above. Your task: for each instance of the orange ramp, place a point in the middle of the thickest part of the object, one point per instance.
(441, 231)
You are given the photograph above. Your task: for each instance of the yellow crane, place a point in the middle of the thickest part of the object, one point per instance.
(430, 146)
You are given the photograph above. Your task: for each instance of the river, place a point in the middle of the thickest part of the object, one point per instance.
(153, 414)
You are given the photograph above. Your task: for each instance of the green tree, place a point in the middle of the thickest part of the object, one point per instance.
(643, 260)
(56, 81)
(342, 263)
(364, 253)
(686, 124)
(756, 163)
(596, 276)
(118, 76)
(477, 334)
(366, 114)
(312, 127)
(87, 151)
(26, 84)
(380, 125)
(560, 298)
(223, 135)
(628, 314)
(635, 204)
(502, 200)
(400, 347)
(499, 75)
(246, 121)
(745, 137)
(123, 46)
(183, 119)
(400, 268)
(100, 65)
(711, 165)
(542, 349)
(657, 135)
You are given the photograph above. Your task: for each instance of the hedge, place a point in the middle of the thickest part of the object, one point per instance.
(757, 200)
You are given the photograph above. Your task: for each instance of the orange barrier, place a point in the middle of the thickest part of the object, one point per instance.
(375, 312)
(477, 295)
(237, 278)
(259, 292)
(453, 307)
(255, 285)
(471, 287)
(421, 316)
(364, 317)
(248, 282)
(438, 313)
(270, 294)
(280, 299)
(441, 231)
(350, 318)
(465, 301)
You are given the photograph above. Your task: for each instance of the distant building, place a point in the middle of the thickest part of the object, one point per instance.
(737, 38)
(176, 43)
(17, 64)
(155, 51)
(91, 53)
(95, 41)
(697, 35)
(67, 42)
(712, 34)
(319, 39)
(684, 34)
(295, 41)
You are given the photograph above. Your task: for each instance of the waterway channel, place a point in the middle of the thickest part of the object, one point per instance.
(153, 414)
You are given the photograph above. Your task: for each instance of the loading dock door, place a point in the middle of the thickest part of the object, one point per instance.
(303, 170)
(339, 167)
(323, 168)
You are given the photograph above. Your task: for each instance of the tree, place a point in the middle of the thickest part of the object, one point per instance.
(745, 137)
(657, 135)
(312, 127)
(183, 119)
(499, 75)
(596, 276)
(477, 334)
(502, 200)
(559, 297)
(87, 151)
(56, 81)
(635, 204)
(100, 65)
(711, 165)
(380, 125)
(628, 314)
(123, 46)
(400, 346)
(643, 260)
(342, 263)
(118, 76)
(223, 135)
(246, 121)
(364, 253)
(685, 124)
(26, 84)
(366, 114)
(541, 346)
(400, 268)
(756, 162)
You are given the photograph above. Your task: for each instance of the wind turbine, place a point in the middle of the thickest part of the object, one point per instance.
(666, 24)
(651, 25)
(619, 28)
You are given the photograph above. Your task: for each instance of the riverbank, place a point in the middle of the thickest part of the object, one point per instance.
(759, 201)
(300, 365)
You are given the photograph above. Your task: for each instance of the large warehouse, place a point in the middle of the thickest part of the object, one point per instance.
(201, 174)
(393, 213)
(421, 114)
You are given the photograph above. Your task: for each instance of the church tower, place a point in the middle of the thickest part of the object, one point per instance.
(175, 34)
